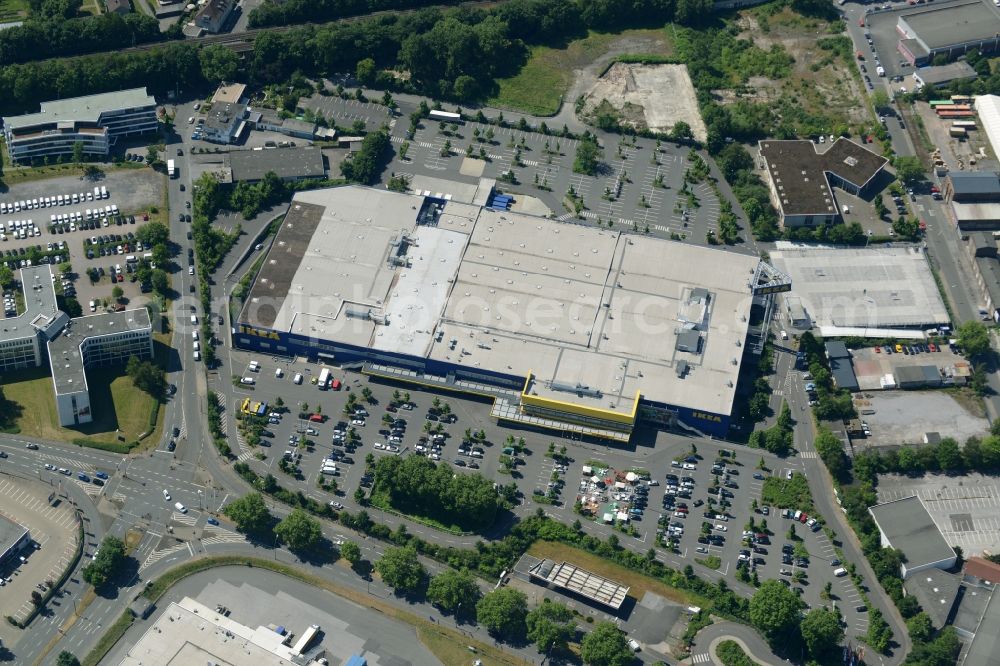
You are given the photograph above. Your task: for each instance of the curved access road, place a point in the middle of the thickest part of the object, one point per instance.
(708, 639)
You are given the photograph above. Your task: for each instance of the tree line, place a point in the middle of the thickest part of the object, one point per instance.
(289, 12)
(45, 36)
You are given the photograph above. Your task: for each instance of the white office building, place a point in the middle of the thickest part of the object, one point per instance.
(71, 345)
(95, 121)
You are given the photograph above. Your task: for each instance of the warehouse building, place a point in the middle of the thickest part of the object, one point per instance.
(873, 292)
(14, 537)
(95, 121)
(287, 163)
(841, 367)
(942, 75)
(801, 179)
(948, 30)
(565, 327)
(906, 526)
(70, 345)
(973, 198)
(189, 632)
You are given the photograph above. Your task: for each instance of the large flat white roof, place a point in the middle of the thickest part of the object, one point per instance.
(874, 287)
(82, 109)
(512, 293)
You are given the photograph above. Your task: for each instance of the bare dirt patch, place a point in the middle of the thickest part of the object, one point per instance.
(650, 97)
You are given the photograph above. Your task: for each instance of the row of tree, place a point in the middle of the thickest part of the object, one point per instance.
(55, 36)
(298, 530)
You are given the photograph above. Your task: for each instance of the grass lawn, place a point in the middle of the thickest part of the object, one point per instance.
(546, 77)
(117, 404)
(637, 583)
(13, 10)
(712, 562)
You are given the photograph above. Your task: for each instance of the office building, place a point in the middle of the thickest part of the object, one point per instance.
(565, 327)
(95, 121)
(801, 179)
(71, 346)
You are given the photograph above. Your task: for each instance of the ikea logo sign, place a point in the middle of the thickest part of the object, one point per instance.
(715, 418)
(250, 330)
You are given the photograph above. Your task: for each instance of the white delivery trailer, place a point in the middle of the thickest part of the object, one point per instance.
(324, 379)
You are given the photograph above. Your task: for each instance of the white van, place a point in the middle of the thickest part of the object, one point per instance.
(297, 379)
(839, 573)
(194, 335)
(254, 366)
(130, 259)
(197, 355)
(278, 373)
(104, 192)
(180, 507)
(194, 319)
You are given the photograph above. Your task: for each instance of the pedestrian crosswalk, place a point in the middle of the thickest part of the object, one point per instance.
(702, 658)
(183, 518)
(221, 535)
(220, 400)
(157, 555)
(808, 454)
(244, 456)
(69, 463)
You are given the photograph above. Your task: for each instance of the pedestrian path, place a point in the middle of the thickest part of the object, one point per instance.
(702, 658)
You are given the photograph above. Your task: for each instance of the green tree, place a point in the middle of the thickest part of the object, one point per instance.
(879, 633)
(831, 451)
(774, 611)
(351, 552)
(250, 514)
(117, 292)
(218, 63)
(821, 632)
(605, 645)
(588, 156)
(550, 626)
(299, 530)
(401, 570)
(109, 559)
(147, 376)
(880, 99)
(365, 71)
(920, 627)
(503, 612)
(153, 233)
(452, 589)
(681, 130)
(67, 659)
(973, 338)
(78, 151)
(6, 275)
(909, 169)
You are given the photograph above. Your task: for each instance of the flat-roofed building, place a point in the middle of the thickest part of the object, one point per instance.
(906, 526)
(43, 332)
(941, 75)
(286, 163)
(14, 537)
(189, 632)
(566, 327)
(801, 179)
(89, 342)
(95, 121)
(948, 30)
(567, 577)
(225, 123)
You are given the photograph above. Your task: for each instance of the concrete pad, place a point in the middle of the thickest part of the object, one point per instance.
(663, 94)
(529, 205)
(902, 417)
(472, 167)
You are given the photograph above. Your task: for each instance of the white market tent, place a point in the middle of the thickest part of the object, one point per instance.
(988, 108)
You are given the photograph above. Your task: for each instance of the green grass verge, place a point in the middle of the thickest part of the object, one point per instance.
(13, 10)
(108, 640)
(788, 493)
(712, 561)
(731, 654)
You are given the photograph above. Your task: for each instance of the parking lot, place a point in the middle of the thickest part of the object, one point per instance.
(964, 508)
(126, 194)
(539, 474)
(637, 187)
(52, 527)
